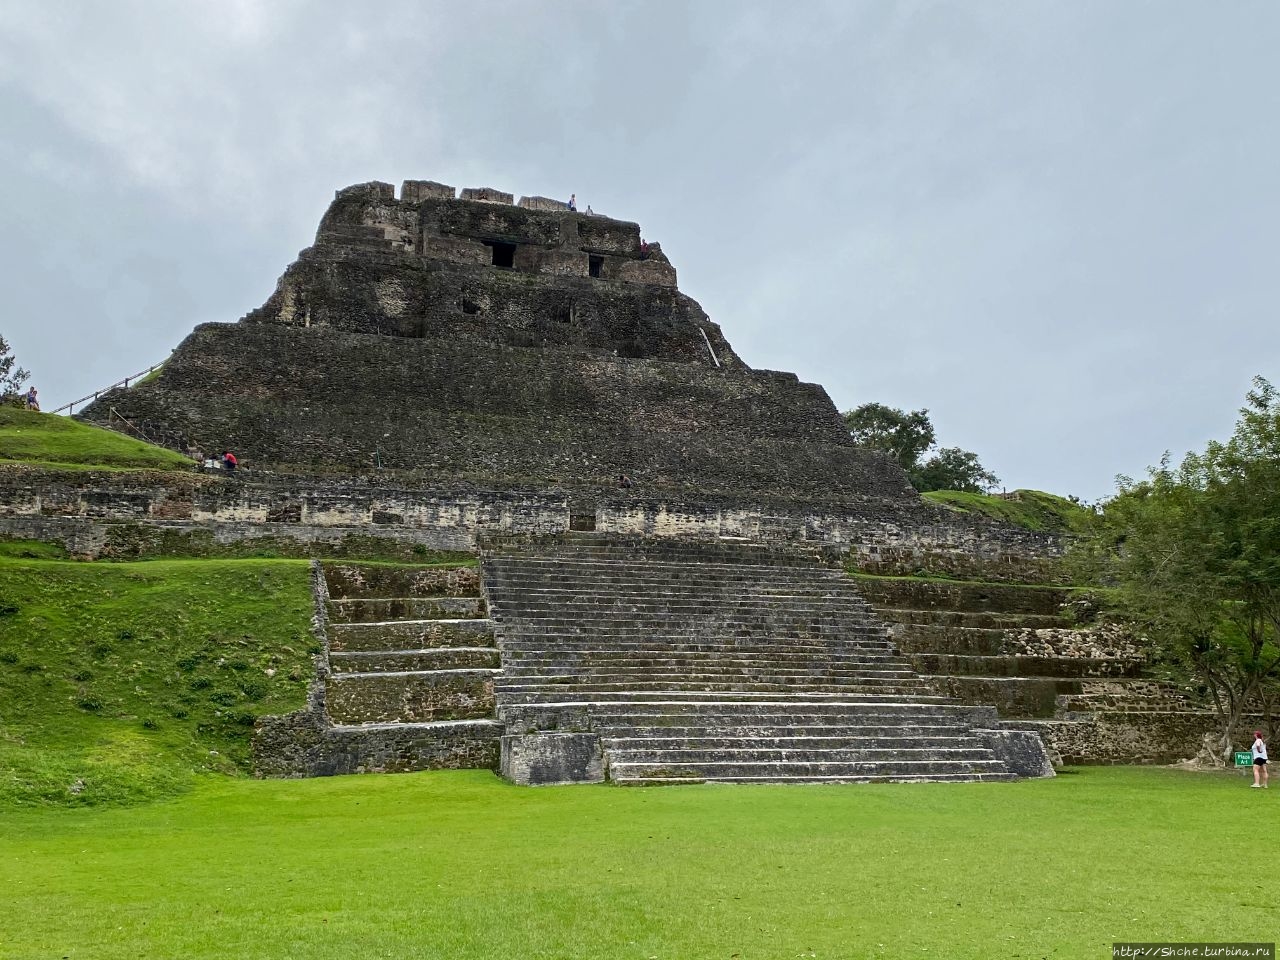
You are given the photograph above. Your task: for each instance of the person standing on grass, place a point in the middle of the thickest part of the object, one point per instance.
(1259, 760)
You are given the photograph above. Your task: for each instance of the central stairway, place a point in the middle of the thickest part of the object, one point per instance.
(725, 661)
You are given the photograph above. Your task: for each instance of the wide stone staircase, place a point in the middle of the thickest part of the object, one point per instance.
(412, 660)
(726, 661)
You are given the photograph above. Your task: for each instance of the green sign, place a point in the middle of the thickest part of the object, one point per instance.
(1244, 758)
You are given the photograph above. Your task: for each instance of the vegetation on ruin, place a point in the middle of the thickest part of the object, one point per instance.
(48, 440)
(1194, 553)
(1029, 509)
(459, 864)
(121, 682)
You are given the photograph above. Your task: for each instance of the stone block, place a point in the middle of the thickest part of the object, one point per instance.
(373, 190)
(415, 191)
(652, 272)
(1022, 751)
(561, 263)
(542, 759)
(456, 250)
(604, 235)
(545, 204)
(487, 195)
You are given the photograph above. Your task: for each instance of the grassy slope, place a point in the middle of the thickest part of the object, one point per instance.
(1032, 510)
(49, 440)
(131, 677)
(458, 864)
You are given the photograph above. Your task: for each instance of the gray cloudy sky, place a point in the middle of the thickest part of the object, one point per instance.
(1052, 224)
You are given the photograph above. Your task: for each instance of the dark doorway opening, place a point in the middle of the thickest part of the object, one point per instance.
(504, 254)
(594, 266)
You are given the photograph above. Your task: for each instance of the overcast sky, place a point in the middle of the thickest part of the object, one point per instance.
(1054, 225)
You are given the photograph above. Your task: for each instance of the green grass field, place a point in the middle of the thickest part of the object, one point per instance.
(461, 865)
(48, 440)
(119, 682)
(1030, 509)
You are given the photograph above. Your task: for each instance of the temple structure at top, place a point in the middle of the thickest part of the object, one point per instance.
(451, 337)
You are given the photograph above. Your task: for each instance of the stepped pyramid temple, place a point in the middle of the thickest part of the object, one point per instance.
(686, 570)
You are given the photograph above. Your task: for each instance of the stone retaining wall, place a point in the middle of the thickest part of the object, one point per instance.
(149, 513)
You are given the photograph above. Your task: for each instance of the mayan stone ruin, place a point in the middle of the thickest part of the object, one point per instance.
(455, 371)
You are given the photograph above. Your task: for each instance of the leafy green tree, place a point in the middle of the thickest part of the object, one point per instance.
(953, 469)
(12, 377)
(903, 436)
(907, 437)
(1195, 551)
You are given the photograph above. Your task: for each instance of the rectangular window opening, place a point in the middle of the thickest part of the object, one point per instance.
(504, 254)
(594, 266)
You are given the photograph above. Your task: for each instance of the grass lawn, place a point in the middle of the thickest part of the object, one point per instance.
(1030, 509)
(458, 864)
(120, 682)
(49, 440)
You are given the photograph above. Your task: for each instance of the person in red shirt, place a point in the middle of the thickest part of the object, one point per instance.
(229, 461)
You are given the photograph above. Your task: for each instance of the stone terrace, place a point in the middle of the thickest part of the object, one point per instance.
(703, 661)
(1011, 645)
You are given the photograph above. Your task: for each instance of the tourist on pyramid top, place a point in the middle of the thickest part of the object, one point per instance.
(590, 212)
(573, 201)
(229, 461)
(1259, 760)
(33, 402)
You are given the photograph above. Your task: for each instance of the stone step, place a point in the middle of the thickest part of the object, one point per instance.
(691, 613)
(373, 580)
(636, 628)
(589, 696)
(410, 635)
(626, 778)
(962, 618)
(707, 644)
(961, 641)
(810, 710)
(913, 594)
(845, 738)
(507, 687)
(593, 584)
(657, 552)
(678, 714)
(801, 769)
(412, 697)
(400, 661)
(722, 754)
(1013, 666)
(514, 668)
(1014, 697)
(516, 664)
(383, 609)
(405, 747)
(515, 674)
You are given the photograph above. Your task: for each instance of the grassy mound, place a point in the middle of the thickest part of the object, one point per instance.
(119, 682)
(1029, 509)
(49, 440)
(458, 864)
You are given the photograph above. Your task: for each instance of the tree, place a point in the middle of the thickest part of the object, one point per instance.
(907, 437)
(12, 377)
(903, 436)
(1195, 552)
(954, 469)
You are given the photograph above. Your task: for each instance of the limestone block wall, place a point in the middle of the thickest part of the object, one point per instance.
(147, 513)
